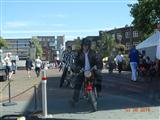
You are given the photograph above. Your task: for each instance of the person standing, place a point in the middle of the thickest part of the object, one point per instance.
(68, 60)
(119, 60)
(8, 64)
(111, 63)
(38, 65)
(134, 59)
(29, 66)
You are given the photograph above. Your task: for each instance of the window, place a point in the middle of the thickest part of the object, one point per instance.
(135, 33)
(136, 43)
(128, 46)
(119, 37)
(126, 34)
(113, 35)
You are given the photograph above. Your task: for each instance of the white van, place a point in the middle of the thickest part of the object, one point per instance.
(2, 66)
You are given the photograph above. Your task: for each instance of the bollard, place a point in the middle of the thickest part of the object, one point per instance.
(44, 93)
(44, 96)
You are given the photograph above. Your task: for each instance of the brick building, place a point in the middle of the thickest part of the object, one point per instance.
(127, 35)
(52, 47)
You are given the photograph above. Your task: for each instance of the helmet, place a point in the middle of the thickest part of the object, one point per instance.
(69, 47)
(86, 41)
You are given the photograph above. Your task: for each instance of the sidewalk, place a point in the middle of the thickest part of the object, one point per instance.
(22, 91)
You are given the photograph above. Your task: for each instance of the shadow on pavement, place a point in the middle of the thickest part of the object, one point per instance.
(112, 98)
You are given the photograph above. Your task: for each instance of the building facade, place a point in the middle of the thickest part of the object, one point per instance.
(127, 35)
(71, 43)
(18, 47)
(52, 47)
(48, 44)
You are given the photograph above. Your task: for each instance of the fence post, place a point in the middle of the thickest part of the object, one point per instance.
(9, 103)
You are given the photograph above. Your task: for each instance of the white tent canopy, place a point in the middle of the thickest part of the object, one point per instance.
(153, 40)
(151, 46)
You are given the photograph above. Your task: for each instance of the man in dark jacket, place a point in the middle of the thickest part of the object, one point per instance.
(29, 66)
(85, 60)
(68, 59)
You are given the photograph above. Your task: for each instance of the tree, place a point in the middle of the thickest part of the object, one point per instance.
(3, 43)
(35, 42)
(120, 47)
(106, 44)
(77, 43)
(146, 14)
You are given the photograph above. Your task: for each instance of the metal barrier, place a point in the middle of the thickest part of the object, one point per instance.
(32, 87)
(9, 103)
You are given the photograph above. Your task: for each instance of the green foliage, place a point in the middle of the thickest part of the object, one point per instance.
(103, 47)
(107, 44)
(120, 47)
(126, 64)
(38, 46)
(3, 43)
(146, 14)
(77, 44)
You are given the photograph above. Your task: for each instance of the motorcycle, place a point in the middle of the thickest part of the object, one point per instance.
(70, 78)
(89, 89)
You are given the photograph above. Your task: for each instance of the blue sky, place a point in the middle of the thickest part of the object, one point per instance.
(72, 18)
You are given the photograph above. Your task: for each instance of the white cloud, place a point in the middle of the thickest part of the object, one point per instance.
(16, 24)
(61, 16)
(57, 25)
(53, 31)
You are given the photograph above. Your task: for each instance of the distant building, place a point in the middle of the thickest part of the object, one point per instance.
(18, 47)
(71, 43)
(94, 39)
(127, 35)
(52, 47)
(48, 46)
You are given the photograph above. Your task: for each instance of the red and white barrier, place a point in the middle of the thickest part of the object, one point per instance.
(44, 96)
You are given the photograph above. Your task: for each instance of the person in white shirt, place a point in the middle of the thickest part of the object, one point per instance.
(38, 65)
(119, 61)
(8, 64)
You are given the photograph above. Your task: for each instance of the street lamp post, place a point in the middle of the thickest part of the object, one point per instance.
(130, 35)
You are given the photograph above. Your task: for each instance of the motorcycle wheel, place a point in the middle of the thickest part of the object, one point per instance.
(92, 98)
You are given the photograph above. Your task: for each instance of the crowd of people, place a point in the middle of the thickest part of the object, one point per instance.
(142, 64)
(138, 63)
(85, 59)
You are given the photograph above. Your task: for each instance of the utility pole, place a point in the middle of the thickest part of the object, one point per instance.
(130, 36)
